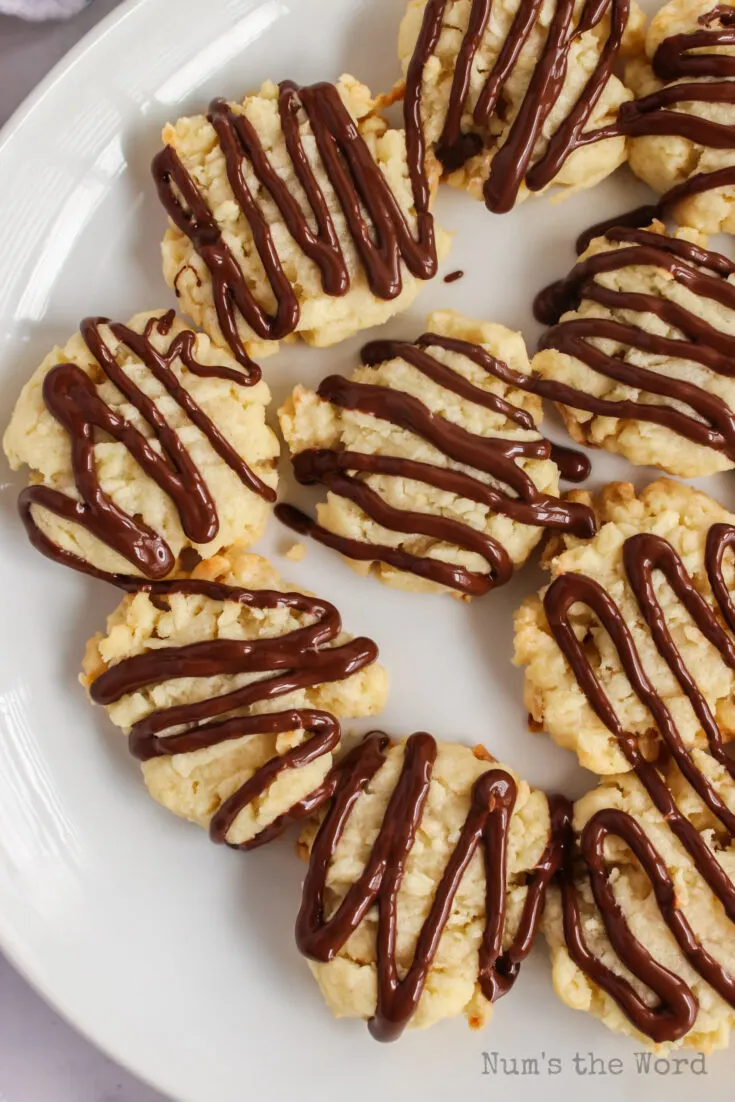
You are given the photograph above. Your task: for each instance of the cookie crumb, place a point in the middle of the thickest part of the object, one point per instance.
(296, 553)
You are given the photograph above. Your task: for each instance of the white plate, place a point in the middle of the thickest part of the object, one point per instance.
(174, 955)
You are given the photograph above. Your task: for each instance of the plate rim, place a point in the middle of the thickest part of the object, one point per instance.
(21, 953)
(65, 63)
(11, 949)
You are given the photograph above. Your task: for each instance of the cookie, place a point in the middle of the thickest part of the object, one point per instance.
(437, 477)
(297, 212)
(620, 953)
(229, 684)
(427, 875)
(682, 124)
(639, 353)
(143, 441)
(642, 931)
(515, 96)
(665, 511)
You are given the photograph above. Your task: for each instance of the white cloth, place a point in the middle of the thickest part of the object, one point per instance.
(42, 9)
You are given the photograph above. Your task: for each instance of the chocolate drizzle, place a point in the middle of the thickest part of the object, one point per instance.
(643, 555)
(73, 399)
(299, 659)
(515, 162)
(711, 422)
(673, 62)
(711, 73)
(709, 82)
(376, 223)
(516, 497)
(487, 824)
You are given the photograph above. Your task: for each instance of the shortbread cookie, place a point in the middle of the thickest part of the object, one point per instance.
(596, 964)
(426, 882)
(643, 934)
(515, 96)
(437, 476)
(682, 125)
(665, 511)
(229, 684)
(639, 356)
(298, 211)
(143, 440)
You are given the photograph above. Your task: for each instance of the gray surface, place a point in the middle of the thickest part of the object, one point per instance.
(42, 1059)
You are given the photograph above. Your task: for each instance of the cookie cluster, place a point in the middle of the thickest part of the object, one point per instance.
(301, 213)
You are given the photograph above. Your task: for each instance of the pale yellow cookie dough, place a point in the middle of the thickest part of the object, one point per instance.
(586, 166)
(194, 785)
(349, 982)
(665, 161)
(634, 894)
(309, 422)
(552, 695)
(642, 442)
(324, 319)
(34, 437)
